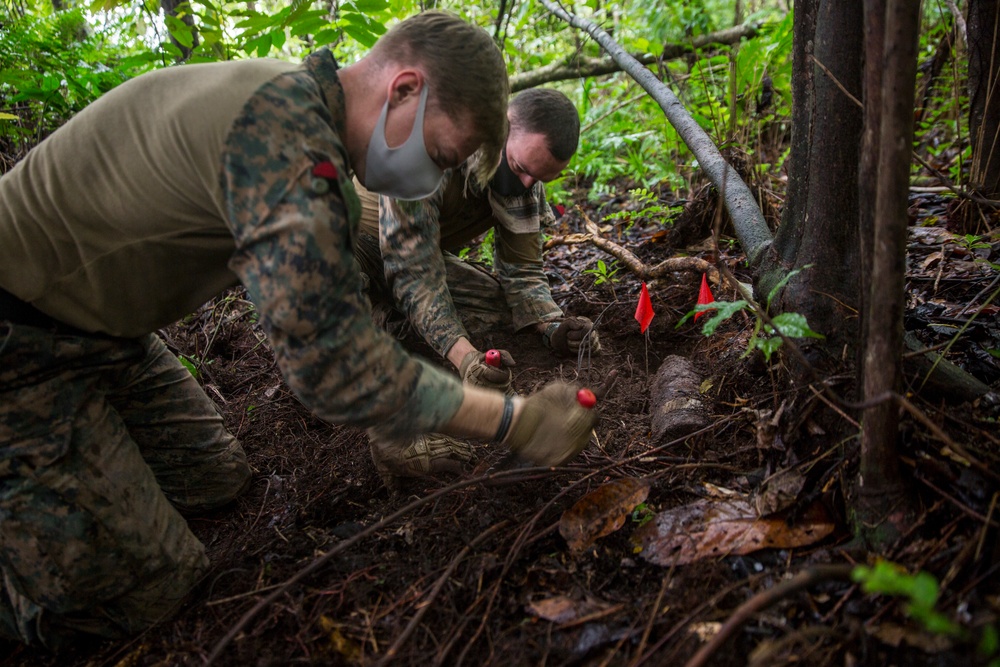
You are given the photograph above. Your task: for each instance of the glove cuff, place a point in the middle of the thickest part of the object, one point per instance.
(505, 420)
(547, 334)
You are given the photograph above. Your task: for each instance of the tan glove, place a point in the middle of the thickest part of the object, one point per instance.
(553, 427)
(476, 372)
(566, 336)
(431, 454)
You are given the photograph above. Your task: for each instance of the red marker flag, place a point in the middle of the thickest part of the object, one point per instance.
(704, 296)
(644, 310)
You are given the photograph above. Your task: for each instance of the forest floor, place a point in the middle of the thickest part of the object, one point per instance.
(476, 570)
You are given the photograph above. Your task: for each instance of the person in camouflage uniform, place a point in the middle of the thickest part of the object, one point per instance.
(165, 191)
(406, 250)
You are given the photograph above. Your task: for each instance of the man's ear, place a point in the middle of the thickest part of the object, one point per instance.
(406, 84)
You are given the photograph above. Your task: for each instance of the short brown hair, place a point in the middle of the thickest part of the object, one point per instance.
(465, 72)
(548, 112)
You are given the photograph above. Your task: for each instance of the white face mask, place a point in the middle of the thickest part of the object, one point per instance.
(406, 172)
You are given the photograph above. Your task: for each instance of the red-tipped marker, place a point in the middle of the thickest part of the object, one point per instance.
(586, 398)
(493, 358)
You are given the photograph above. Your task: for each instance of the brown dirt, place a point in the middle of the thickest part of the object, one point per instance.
(449, 580)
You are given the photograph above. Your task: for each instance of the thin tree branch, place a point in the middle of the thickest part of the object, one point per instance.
(765, 599)
(578, 66)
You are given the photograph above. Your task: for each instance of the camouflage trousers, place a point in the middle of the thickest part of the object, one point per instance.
(103, 442)
(477, 294)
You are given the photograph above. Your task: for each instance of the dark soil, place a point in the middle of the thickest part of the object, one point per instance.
(446, 572)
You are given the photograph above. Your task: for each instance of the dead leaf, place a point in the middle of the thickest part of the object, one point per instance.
(894, 635)
(779, 491)
(340, 644)
(714, 528)
(931, 259)
(705, 631)
(563, 609)
(601, 512)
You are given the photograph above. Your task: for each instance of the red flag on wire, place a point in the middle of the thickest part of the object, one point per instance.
(644, 310)
(704, 296)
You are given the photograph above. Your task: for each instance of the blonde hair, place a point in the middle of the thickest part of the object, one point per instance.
(466, 74)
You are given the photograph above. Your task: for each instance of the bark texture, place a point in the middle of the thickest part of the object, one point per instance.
(984, 95)
(879, 506)
(820, 219)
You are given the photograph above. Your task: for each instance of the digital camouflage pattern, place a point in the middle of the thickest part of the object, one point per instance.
(435, 290)
(294, 254)
(104, 439)
(103, 442)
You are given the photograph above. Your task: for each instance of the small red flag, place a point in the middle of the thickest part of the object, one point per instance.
(704, 296)
(644, 310)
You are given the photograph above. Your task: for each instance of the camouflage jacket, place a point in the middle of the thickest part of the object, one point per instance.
(188, 180)
(411, 233)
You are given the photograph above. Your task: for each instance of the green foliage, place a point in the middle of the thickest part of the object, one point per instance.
(649, 208)
(51, 66)
(765, 336)
(187, 363)
(920, 590)
(485, 253)
(642, 514)
(602, 273)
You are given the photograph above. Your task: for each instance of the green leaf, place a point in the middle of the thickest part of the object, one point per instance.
(989, 643)
(179, 30)
(278, 39)
(768, 345)
(724, 310)
(783, 282)
(327, 36)
(370, 6)
(794, 325)
(360, 34)
(186, 363)
(7, 116)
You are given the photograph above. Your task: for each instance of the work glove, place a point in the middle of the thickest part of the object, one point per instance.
(477, 373)
(553, 426)
(566, 336)
(431, 454)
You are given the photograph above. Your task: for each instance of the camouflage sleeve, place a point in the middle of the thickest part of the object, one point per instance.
(519, 268)
(410, 237)
(294, 254)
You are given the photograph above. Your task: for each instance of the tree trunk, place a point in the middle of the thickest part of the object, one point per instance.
(820, 217)
(880, 507)
(984, 95)
(874, 36)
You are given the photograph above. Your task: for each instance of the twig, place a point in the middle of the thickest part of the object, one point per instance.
(391, 652)
(957, 449)
(765, 599)
(510, 475)
(629, 259)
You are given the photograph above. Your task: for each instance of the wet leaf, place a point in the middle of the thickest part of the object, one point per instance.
(601, 512)
(340, 644)
(715, 528)
(563, 609)
(780, 491)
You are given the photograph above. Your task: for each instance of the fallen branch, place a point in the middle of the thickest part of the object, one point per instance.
(748, 220)
(629, 260)
(578, 67)
(765, 599)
